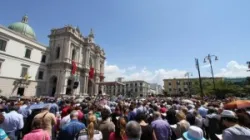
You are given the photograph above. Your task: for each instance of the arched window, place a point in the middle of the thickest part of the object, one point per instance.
(73, 57)
(57, 52)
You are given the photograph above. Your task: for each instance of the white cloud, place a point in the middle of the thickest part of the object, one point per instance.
(232, 69)
(205, 66)
(132, 73)
(131, 68)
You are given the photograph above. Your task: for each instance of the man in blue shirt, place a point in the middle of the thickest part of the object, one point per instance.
(161, 127)
(69, 130)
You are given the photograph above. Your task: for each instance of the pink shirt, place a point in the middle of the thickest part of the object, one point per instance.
(113, 137)
(37, 134)
(80, 115)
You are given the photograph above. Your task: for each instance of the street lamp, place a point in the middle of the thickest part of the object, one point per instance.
(209, 59)
(188, 74)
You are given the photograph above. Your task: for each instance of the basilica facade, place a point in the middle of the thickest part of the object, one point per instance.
(71, 64)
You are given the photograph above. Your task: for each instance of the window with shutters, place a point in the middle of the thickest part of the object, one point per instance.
(40, 74)
(3, 45)
(43, 60)
(27, 53)
(24, 71)
(178, 82)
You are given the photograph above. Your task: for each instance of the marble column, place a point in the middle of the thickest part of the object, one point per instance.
(97, 81)
(81, 85)
(87, 56)
(85, 84)
(77, 90)
(67, 50)
(97, 63)
(60, 82)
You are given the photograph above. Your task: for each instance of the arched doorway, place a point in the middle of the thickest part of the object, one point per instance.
(53, 83)
(69, 87)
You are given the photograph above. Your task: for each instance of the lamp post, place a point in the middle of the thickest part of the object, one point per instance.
(209, 58)
(188, 74)
(199, 74)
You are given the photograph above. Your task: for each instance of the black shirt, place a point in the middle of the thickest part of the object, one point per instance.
(147, 132)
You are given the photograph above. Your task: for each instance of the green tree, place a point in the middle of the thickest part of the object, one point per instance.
(222, 88)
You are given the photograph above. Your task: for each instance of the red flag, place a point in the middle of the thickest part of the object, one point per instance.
(74, 68)
(91, 73)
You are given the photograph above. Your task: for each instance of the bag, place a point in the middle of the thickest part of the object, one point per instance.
(43, 121)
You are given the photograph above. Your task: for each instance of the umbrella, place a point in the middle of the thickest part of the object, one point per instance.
(38, 106)
(237, 104)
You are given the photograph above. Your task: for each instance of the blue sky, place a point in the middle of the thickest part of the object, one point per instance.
(162, 34)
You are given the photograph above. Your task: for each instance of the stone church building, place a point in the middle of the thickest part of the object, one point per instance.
(72, 64)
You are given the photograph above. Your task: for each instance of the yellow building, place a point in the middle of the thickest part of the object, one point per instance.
(179, 86)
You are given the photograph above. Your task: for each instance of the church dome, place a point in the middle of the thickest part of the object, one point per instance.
(23, 28)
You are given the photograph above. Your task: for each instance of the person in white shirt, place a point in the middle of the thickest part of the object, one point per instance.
(12, 124)
(65, 120)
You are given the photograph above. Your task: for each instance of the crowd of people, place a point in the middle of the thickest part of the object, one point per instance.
(152, 118)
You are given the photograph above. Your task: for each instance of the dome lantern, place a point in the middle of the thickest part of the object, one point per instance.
(25, 19)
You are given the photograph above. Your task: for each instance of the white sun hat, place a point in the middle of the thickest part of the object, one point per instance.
(194, 133)
(228, 114)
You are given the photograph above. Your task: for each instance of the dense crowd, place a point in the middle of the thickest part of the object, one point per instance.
(152, 118)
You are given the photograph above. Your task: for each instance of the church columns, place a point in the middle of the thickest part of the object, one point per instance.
(61, 88)
(97, 63)
(87, 56)
(85, 83)
(96, 84)
(67, 52)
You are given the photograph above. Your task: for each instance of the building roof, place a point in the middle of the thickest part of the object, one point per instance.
(192, 78)
(111, 83)
(134, 81)
(23, 28)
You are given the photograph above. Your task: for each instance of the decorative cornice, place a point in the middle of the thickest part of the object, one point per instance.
(20, 35)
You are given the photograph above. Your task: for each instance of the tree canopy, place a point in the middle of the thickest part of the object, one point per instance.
(222, 89)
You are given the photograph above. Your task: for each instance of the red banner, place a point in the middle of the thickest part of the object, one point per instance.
(91, 73)
(74, 67)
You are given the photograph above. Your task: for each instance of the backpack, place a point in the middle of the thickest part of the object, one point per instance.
(27, 126)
